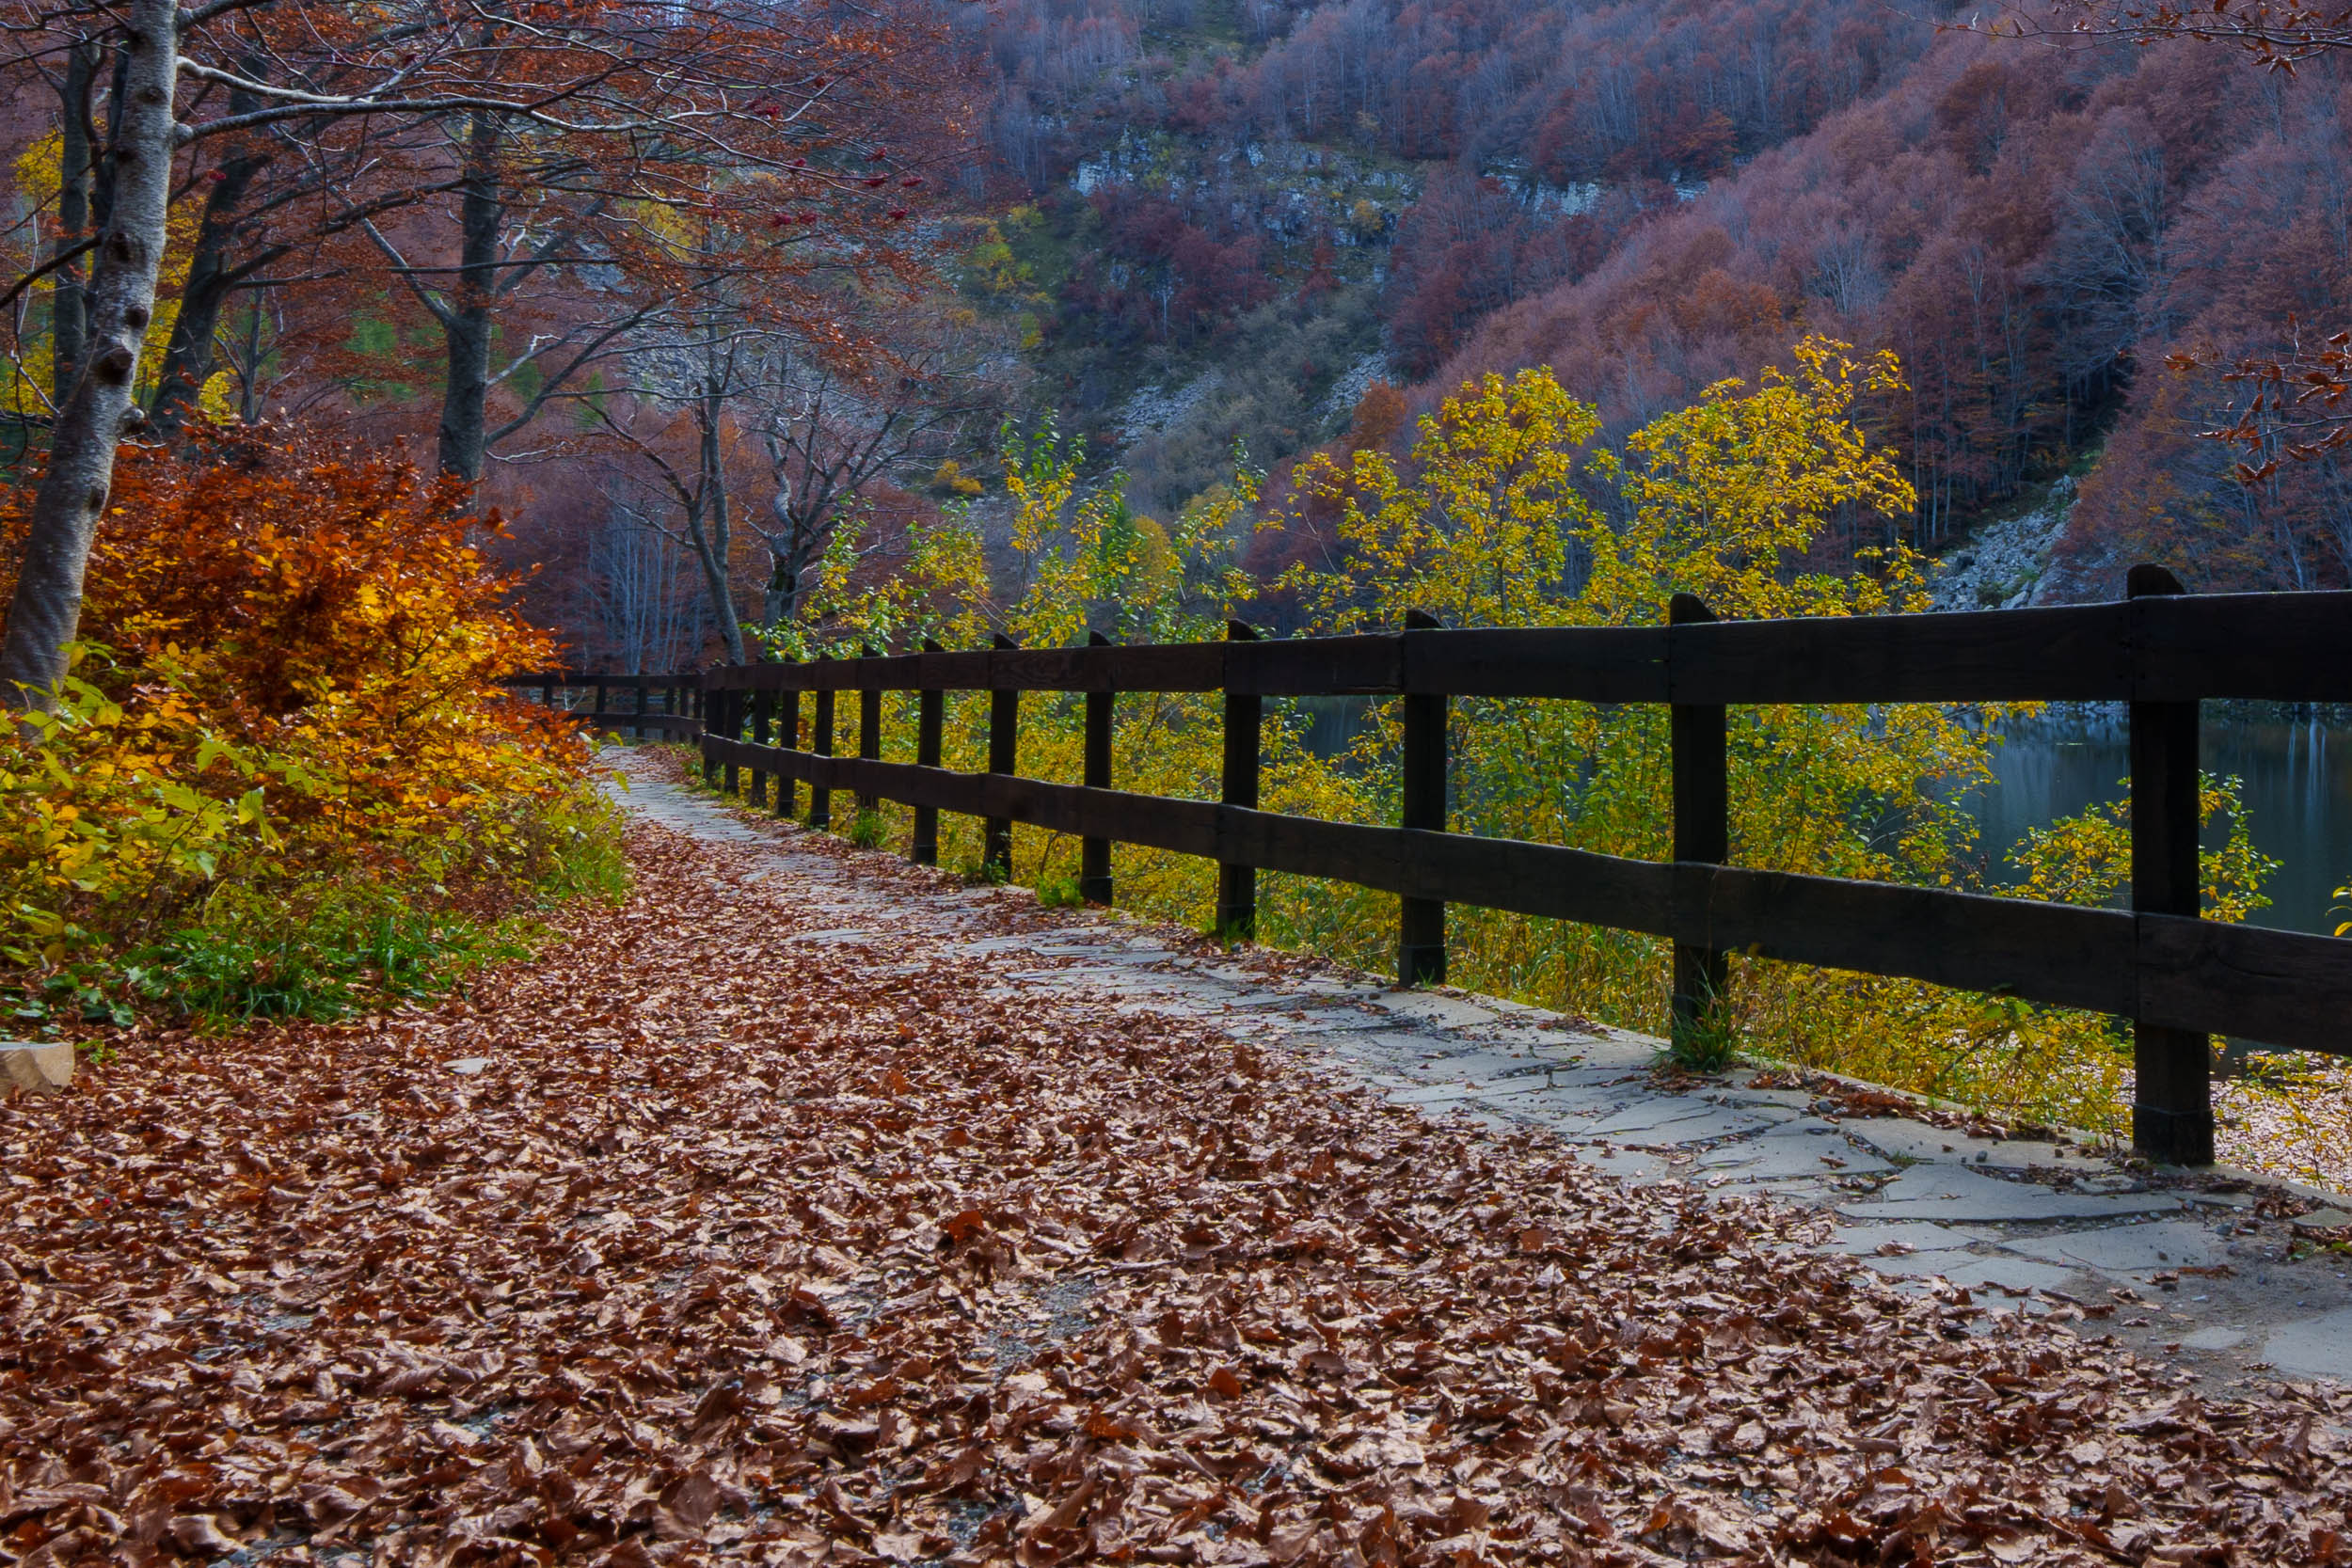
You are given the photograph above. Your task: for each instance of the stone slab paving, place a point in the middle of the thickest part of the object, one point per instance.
(2179, 1270)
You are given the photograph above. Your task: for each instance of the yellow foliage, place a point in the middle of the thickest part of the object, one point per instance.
(1479, 536)
(1508, 512)
(112, 812)
(38, 172)
(2087, 858)
(950, 476)
(299, 680)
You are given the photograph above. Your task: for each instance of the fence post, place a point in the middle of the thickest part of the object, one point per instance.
(930, 721)
(1004, 756)
(547, 691)
(731, 716)
(638, 690)
(1094, 854)
(1421, 922)
(706, 711)
(820, 742)
(762, 703)
(2173, 1068)
(1702, 830)
(870, 726)
(1237, 885)
(787, 722)
(596, 714)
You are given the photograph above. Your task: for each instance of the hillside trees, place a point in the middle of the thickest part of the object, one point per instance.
(2296, 401)
(1466, 248)
(841, 381)
(546, 151)
(2031, 228)
(2037, 233)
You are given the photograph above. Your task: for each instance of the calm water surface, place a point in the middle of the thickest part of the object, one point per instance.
(2299, 791)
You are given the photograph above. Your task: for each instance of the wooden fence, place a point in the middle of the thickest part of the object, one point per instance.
(2177, 977)
(658, 704)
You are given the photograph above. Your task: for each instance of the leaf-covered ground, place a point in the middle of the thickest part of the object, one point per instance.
(740, 1248)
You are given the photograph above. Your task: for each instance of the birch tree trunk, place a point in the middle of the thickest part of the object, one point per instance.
(47, 608)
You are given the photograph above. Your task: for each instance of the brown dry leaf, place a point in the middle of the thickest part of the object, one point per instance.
(829, 1252)
(200, 1535)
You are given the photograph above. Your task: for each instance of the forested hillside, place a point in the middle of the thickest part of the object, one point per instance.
(1225, 222)
(704, 379)
(1228, 224)
(2035, 233)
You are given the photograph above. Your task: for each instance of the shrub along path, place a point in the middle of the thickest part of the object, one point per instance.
(788, 1214)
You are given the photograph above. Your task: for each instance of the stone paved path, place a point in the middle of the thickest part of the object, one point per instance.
(2173, 1268)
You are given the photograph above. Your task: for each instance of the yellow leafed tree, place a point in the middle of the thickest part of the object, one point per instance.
(1510, 511)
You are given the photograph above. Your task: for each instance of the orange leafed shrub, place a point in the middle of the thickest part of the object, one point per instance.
(297, 646)
(305, 568)
(333, 603)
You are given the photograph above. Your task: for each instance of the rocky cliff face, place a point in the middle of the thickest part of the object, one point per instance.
(2008, 564)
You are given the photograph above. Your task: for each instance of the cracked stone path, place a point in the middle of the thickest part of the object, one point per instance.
(2183, 1267)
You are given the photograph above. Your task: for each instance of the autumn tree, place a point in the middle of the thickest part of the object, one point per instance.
(840, 377)
(2298, 402)
(833, 425)
(567, 141)
(516, 270)
(2279, 35)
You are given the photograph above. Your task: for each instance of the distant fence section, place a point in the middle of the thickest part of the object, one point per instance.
(2177, 977)
(642, 705)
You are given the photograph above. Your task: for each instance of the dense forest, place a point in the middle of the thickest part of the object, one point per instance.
(2068, 246)
(1196, 232)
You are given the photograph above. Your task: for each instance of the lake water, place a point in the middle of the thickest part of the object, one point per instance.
(2299, 792)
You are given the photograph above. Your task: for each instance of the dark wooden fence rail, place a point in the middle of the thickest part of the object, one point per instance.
(658, 704)
(2179, 979)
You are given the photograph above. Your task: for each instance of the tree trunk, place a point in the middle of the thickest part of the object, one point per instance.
(796, 553)
(716, 534)
(465, 325)
(784, 586)
(46, 609)
(783, 592)
(249, 373)
(69, 304)
(713, 562)
(188, 356)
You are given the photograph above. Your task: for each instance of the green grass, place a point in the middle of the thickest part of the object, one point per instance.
(1707, 1043)
(327, 946)
(316, 952)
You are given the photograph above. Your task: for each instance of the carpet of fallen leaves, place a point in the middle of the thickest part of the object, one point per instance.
(686, 1243)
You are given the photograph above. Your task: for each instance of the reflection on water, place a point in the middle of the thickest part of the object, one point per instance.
(2299, 791)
